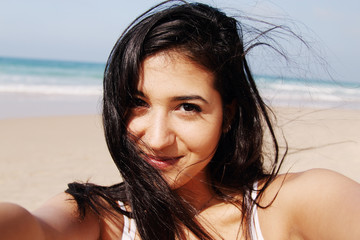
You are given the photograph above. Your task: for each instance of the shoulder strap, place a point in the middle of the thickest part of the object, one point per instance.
(129, 229)
(255, 225)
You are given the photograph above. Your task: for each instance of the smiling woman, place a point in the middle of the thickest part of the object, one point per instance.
(195, 145)
(177, 123)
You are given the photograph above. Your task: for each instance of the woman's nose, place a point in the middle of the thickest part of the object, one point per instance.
(159, 133)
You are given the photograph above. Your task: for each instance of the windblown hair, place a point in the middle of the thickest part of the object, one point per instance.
(209, 38)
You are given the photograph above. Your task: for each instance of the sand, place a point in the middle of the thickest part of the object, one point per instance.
(39, 156)
(322, 138)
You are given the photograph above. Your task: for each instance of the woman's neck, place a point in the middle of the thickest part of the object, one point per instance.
(198, 192)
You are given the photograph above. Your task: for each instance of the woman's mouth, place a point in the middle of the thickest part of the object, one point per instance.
(162, 162)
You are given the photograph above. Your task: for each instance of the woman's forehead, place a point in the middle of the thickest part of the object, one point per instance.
(174, 64)
(172, 73)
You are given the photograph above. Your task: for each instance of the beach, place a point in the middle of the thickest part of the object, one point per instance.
(40, 155)
(321, 138)
(51, 130)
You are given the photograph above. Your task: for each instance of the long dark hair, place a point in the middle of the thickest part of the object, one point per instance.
(213, 40)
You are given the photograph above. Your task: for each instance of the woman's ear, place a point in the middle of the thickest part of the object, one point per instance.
(229, 113)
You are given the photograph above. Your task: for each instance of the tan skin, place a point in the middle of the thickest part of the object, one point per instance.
(317, 204)
(310, 205)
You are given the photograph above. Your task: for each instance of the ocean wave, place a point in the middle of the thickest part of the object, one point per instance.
(28, 76)
(80, 90)
(10, 79)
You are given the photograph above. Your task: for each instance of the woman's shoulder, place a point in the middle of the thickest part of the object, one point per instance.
(60, 214)
(318, 183)
(312, 181)
(316, 202)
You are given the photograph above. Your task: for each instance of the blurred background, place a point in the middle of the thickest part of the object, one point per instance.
(52, 58)
(53, 53)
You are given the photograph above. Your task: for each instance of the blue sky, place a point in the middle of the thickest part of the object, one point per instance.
(85, 30)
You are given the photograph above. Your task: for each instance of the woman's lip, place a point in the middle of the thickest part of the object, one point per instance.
(162, 162)
(158, 158)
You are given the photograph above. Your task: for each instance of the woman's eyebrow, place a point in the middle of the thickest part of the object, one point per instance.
(189, 97)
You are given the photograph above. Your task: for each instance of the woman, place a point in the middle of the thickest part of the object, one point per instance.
(185, 126)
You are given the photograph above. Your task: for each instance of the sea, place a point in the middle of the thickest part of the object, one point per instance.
(33, 87)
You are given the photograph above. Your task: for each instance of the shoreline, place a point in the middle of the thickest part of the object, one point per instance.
(20, 105)
(41, 155)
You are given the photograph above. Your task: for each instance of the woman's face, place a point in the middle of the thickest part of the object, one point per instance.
(176, 118)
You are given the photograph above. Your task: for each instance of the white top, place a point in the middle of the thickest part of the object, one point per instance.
(255, 225)
(130, 226)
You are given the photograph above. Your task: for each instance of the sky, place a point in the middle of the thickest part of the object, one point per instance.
(86, 30)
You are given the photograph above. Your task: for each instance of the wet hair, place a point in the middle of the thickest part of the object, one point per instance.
(214, 41)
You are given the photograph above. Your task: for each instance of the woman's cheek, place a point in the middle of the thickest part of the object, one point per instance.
(201, 137)
(135, 125)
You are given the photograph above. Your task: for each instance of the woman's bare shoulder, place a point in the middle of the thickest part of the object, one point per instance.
(317, 183)
(60, 219)
(60, 215)
(317, 202)
(311, 181)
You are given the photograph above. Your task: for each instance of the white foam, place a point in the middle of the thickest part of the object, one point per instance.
(52, 89)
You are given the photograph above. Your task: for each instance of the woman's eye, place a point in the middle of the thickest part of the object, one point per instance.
(189, 107)
(137, 102)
